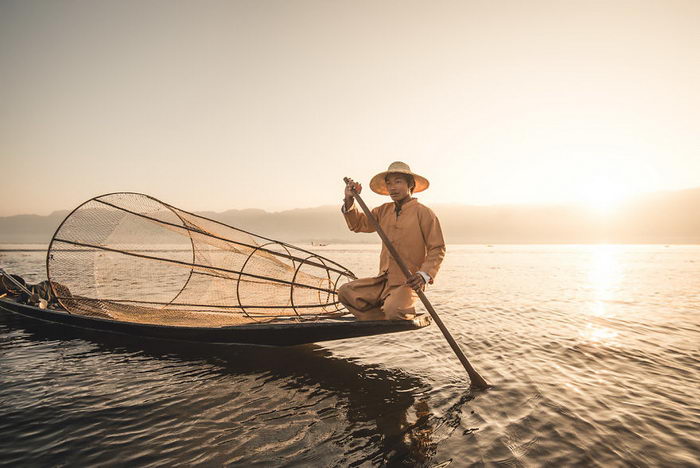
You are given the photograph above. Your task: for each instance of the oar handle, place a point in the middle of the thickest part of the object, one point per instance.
(477, 381)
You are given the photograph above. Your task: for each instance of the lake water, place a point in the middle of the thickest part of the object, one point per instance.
(593, 351)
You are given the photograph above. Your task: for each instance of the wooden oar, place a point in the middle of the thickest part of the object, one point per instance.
(477, 381)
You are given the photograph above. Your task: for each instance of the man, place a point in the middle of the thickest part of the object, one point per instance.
(415, 232)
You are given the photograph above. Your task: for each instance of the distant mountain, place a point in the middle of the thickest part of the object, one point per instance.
(663, 217)
(30, 229)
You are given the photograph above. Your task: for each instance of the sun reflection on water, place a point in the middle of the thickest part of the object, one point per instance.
(604, 276)
(598, 333)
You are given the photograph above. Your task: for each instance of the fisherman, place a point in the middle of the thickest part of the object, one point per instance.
(415, 232)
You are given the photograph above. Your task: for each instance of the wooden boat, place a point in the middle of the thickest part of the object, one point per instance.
(287, 333)
(130, 264)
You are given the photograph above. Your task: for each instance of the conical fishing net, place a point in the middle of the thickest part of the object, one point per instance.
(130, 257)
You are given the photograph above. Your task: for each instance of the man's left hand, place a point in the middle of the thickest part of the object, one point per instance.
(416, 282)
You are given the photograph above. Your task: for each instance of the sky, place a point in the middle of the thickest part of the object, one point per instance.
(216, 105)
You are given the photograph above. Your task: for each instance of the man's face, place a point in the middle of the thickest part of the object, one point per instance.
(398, 187)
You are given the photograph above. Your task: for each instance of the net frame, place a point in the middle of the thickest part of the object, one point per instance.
(238, 312)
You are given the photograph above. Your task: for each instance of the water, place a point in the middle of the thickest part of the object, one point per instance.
(594, 352)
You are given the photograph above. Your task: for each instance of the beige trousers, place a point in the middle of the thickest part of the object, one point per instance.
(373, 299)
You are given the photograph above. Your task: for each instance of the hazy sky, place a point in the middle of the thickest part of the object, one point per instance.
(268, 104)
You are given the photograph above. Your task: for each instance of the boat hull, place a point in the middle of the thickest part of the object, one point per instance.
(265, 334)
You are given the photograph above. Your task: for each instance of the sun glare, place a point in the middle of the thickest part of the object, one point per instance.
(602, 204)
(604, 197)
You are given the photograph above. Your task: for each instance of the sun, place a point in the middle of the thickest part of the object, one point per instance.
(603, 196)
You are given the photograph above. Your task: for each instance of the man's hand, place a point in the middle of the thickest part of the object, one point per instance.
(416, 282)
(349, 193)
(350, 186)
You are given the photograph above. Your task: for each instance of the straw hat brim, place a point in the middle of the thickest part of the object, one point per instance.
(378, 182)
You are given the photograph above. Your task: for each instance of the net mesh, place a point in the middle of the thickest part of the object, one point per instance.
(131, 257)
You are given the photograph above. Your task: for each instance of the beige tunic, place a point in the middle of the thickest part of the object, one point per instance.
(415, 233)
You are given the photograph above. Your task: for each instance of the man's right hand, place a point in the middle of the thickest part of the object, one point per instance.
(349, 193)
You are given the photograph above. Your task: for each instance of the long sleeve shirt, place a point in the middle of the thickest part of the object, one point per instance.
(414, 231)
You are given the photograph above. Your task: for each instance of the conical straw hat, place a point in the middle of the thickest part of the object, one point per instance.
(378, 182)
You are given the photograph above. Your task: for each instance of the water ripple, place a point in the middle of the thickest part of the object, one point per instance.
(593, 354)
